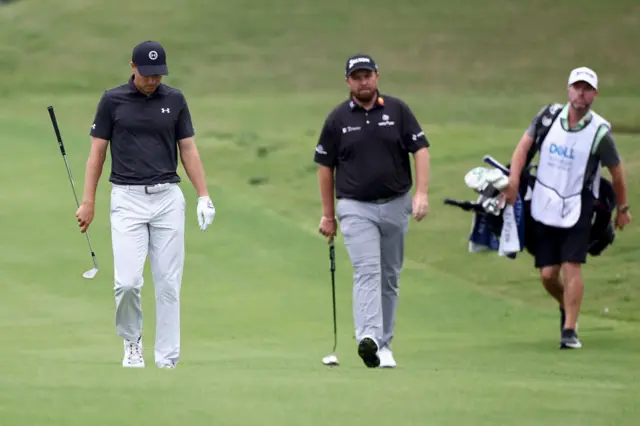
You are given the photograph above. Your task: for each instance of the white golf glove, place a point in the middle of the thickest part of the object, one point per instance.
(206, 212)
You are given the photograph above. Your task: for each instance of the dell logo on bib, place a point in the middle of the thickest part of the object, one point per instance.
(562, 151)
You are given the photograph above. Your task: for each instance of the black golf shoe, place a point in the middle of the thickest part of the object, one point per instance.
(368, 351)
(570, 340)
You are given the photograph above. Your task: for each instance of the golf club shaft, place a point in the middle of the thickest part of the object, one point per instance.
(54, 121)
(332, 257)
(495, 163)
(75, 194)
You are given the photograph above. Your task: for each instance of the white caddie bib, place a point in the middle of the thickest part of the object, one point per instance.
(560, 176)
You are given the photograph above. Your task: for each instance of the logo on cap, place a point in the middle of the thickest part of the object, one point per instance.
(360, 61)
(150, 58)
(583, 74)
(354, 61)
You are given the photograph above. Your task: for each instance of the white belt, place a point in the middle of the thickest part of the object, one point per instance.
(146, 189)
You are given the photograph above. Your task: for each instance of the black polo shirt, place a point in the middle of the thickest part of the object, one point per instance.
(370, 149)
(143, 132)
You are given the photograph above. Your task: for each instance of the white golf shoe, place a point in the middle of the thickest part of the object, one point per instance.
(386, 358)
(133, 354)
(166, 364)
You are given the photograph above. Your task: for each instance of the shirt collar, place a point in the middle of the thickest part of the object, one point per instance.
(379, 103)
(133, 89)
(564, 119)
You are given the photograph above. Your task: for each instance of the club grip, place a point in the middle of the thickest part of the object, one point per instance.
(54, 121)
(495, 163)
(332, 257)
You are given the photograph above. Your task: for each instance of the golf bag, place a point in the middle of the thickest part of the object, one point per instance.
(489, 211)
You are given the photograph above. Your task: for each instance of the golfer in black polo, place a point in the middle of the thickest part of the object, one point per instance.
(146, 122)
(363, 153)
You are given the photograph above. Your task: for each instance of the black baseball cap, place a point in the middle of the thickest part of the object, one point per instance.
(150, 58)
(360, 62)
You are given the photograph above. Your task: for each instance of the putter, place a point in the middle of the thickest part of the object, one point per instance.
(332, 360)
(91, 273)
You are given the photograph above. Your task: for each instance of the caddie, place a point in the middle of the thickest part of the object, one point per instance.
(578, 141)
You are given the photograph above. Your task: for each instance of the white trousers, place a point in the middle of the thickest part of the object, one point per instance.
(149, 221)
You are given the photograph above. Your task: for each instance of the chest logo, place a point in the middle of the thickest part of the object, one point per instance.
(165, 110)
(385, 121)
(562, 151)
(350, 129)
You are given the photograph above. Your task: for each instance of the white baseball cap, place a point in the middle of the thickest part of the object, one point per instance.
(584, 74)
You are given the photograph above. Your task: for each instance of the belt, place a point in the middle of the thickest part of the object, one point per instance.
(383, 200)
(377, 200)
(146, 189)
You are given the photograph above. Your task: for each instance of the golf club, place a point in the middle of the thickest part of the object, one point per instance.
(495, 163)
(465, 205)
(91, 273)
(332, 360)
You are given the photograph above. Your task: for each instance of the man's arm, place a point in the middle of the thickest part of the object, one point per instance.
(326, 185)
(325, 157)
(610, 159)
(93, 170)
(189, 154)
(519, 156)
(422, 160)
(193, 165)
(619, 185)
(101, 132)
(416, 142)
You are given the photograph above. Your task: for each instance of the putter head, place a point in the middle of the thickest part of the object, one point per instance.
(330, 360)
(91, 273)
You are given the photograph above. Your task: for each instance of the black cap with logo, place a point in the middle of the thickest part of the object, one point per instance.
(360, 62)
(150, 58)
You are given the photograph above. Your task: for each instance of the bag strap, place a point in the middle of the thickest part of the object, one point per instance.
(543, 125)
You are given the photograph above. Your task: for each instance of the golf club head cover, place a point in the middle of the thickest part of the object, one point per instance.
(489, 182)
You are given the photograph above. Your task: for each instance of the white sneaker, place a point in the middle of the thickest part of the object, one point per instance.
(386, 358)
(133, 354)
(166, 366)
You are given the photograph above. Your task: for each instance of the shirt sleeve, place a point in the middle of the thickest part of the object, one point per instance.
(184, 126)
(102, 126)
(607, 151)
(413, 136)
(531, 130)
(326, 153)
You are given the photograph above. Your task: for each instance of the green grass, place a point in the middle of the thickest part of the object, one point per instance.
(476, 334)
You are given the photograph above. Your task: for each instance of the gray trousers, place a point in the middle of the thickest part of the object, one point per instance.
(150, 224)
(374, 236)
